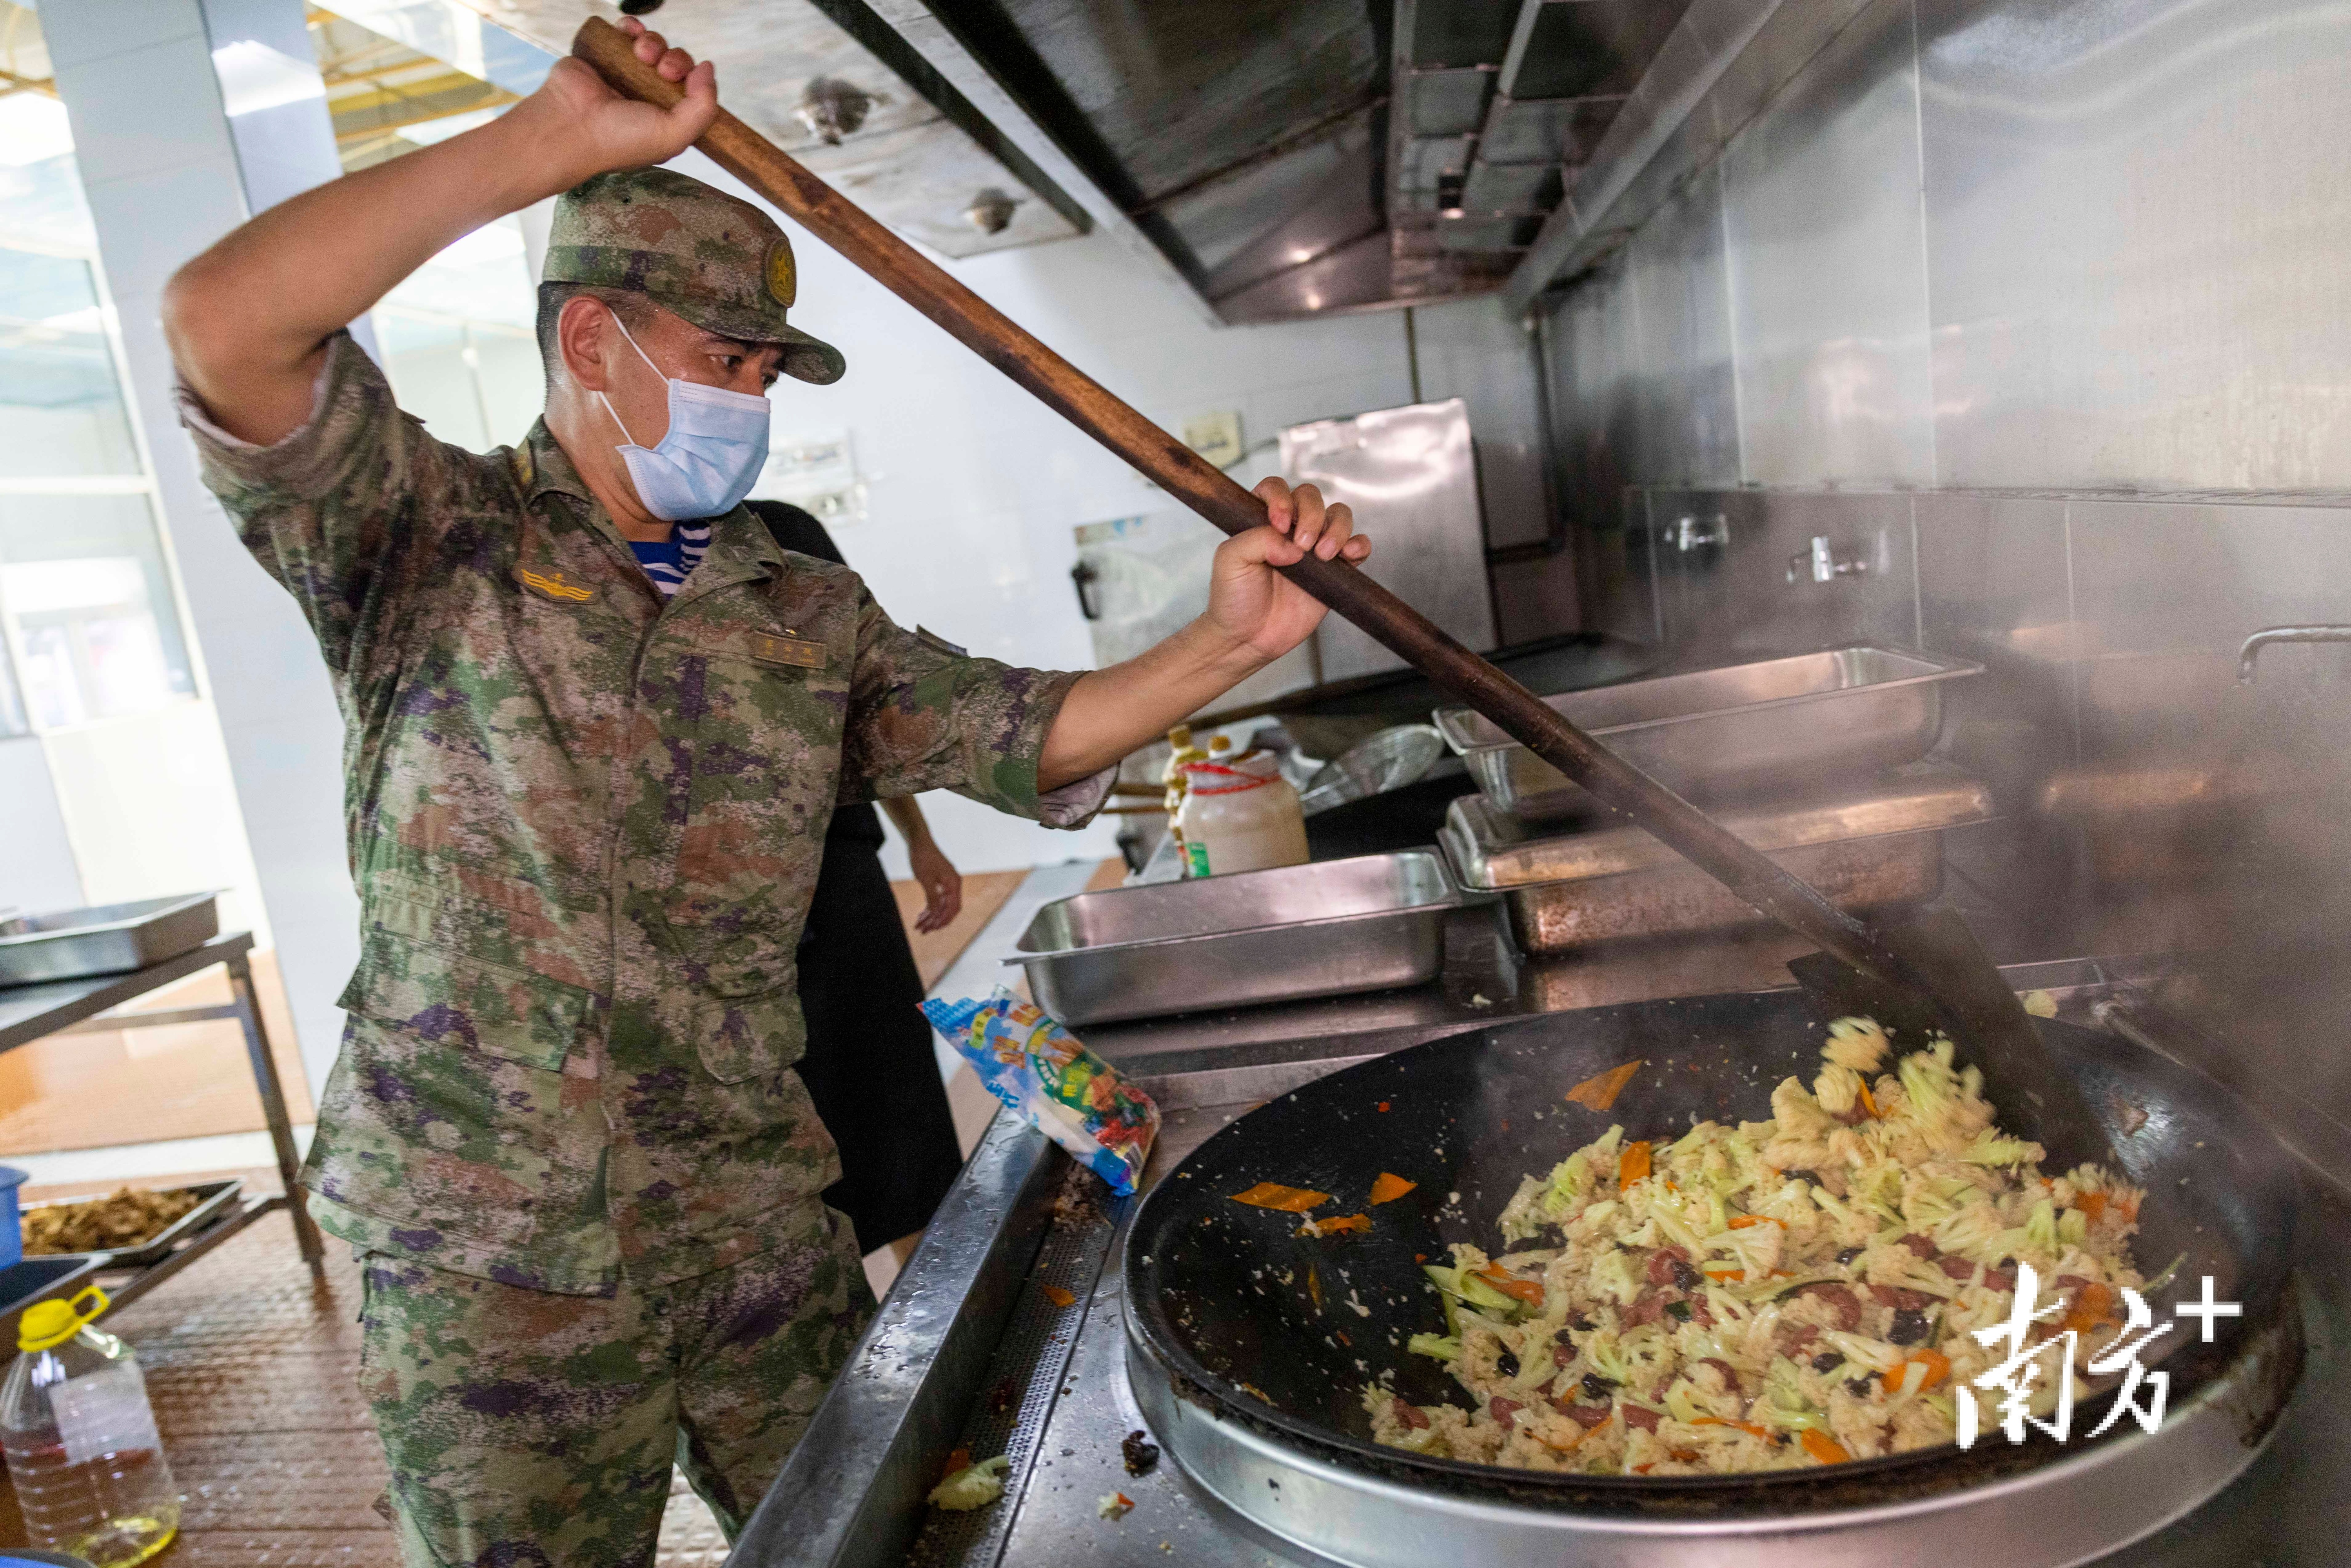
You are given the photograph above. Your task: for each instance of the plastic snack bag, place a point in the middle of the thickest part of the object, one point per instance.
(1041, 1070)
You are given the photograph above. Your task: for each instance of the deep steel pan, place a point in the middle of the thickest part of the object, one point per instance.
(1224, 1297)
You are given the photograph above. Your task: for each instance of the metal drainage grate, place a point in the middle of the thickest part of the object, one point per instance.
(1023, 1381)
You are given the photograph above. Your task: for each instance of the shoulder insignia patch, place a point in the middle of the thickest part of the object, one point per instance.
(931, 639)
(554, 586)
(798, 653)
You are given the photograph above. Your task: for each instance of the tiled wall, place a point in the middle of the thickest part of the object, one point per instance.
(2033, 311)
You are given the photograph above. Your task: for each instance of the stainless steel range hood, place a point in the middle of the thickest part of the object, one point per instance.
(1291, 158)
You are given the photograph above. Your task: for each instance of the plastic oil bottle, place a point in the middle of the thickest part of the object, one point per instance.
(80, 1438)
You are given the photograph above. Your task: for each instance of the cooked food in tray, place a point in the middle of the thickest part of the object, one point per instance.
(1778, 1294)
(129, 1218)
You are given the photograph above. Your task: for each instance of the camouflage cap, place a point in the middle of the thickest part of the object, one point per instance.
(718, 263)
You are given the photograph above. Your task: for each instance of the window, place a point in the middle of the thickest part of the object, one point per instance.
(88, 602)
(459, 341)
(88, 629)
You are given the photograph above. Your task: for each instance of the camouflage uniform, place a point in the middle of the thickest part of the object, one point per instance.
(585, 824)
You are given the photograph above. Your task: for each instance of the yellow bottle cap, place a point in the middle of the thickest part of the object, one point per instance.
(49, 1322)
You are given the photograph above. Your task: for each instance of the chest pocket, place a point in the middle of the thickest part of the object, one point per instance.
(754, 761)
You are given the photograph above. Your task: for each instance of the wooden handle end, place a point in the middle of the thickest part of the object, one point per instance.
(613, 55)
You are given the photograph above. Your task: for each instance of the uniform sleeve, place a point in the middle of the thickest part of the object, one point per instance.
(340, 510)
(923, 718)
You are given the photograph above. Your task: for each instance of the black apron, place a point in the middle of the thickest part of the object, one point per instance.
(869, 1065)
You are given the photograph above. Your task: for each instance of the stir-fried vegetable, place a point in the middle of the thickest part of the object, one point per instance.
(973, 1486)
(1796, 1291)
(1599, 1092)
(1824, 1448)
(1387, 1188)
(1290, 1199)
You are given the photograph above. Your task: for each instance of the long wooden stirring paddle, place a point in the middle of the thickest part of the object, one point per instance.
(2009, 1049)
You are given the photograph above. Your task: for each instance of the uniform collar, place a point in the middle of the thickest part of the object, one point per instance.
(741, 547)
(541, 465)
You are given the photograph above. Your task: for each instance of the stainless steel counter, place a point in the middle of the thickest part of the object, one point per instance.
(971, 1349)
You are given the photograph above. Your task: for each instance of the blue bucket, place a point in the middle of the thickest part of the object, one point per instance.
(12, 1230)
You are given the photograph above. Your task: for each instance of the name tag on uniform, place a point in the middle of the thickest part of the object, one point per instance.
(795, 652)
(554, 586)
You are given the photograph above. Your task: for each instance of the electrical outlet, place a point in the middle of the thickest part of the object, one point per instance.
(1215, 437)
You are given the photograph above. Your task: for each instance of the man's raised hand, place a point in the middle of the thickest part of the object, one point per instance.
(595, 129)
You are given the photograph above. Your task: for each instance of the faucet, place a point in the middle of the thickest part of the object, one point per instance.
(2269, 634)
(1821, 561)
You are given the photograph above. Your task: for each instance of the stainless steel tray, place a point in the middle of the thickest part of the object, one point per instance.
(1842, 711)
(1321, 929)
(1866, 847)
(110, 939)
(215, 1196)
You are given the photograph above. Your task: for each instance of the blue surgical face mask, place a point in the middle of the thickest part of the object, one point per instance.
(717, 443)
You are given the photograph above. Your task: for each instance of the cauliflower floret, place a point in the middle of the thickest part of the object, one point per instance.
(1838, 1089)
(1800, 1141)
(1857, 1043)
(973, 1486)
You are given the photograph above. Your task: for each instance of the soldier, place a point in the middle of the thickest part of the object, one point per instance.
(596, 723)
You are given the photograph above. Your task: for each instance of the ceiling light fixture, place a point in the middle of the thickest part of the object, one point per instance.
(990, 211)
(833, 108)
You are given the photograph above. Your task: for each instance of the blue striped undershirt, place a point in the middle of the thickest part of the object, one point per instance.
(669, 561)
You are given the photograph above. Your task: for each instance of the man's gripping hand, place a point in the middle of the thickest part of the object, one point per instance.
(1250, 601)
(590, 130)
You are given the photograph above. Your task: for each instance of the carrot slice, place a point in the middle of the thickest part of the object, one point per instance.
(2091, 1308)
(1387, 1188)
(1315, 1290)
(1527, 1290)
(1938, 1366)
(1289, 1199)
(1748, 1221)
(1869, 1103)
(1825, 1449)
(2092, 1204)
(1336, 1223)
(1750, 1427)
(1600, 1091)
(1633, 1164)
(1719, 1275)
(1060, 1297)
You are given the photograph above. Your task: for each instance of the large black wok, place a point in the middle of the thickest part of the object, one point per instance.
(1225, 1296)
